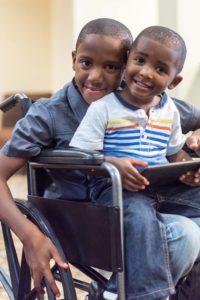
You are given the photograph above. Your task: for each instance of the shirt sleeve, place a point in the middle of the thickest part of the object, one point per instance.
(189, 115)
(31, 134)
(90, 133)
(177, 139)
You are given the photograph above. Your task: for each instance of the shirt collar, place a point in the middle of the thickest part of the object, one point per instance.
(77, 103)
(162, 102)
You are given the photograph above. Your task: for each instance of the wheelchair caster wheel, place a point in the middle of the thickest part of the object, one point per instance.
(95, 292)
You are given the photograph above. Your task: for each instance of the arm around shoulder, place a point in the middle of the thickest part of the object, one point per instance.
(39, 250)
(8, 210)
(10, 165)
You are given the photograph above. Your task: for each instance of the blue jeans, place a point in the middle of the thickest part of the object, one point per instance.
(159, 248)
(183, 239)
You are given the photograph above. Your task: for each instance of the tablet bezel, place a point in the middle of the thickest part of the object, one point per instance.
(169, 173)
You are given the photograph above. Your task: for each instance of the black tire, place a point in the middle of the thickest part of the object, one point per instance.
(20, 278)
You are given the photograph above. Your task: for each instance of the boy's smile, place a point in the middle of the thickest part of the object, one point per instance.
(98, 64)
(143, 85)
(151, 68)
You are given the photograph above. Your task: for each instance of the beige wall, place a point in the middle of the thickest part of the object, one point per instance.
(25, 45)
(61, 42)
(132, 13)
(189, 24)
(36, 41)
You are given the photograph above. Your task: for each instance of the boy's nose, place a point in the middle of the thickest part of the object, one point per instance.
(147, 72)
(95, 74)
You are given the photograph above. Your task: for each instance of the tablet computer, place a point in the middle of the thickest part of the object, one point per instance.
(169, 173)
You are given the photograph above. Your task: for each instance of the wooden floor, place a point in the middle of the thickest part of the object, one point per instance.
(19, 189)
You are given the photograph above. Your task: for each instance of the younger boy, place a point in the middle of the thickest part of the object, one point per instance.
(136, 126)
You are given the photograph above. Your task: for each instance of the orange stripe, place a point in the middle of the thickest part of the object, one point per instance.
(160, 127)
(124, 127)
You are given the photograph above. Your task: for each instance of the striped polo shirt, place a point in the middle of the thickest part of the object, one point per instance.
(124, 130)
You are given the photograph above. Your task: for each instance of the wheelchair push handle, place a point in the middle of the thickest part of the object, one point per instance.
(11, 101)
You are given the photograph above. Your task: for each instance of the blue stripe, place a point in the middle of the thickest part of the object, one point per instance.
(141, 143)
(158, 149)
(157, 133)
(162, 134)
(121, 144)
(122, 138)
(158, 140)
(159, 158)
(121, 131)
(129, 138)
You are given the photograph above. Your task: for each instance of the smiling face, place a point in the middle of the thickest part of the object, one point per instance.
(98, 63)
(151, 68)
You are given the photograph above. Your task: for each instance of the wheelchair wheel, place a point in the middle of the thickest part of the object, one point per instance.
(18, 285)
(6, 284)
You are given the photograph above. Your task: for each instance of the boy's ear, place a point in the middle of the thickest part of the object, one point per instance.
(175, 82)
(73, 59)
(127, 54)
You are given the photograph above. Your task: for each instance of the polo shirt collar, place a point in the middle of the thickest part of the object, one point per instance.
(162, 102)
(77, 103)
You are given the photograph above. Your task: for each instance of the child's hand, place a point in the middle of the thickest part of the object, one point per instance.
(39, 250)
(132, 180)
(191, 178)
(193, 142)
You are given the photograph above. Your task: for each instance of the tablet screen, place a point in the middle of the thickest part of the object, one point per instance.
(169, 173)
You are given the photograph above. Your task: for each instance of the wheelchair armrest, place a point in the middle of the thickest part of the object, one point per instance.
(69, 156)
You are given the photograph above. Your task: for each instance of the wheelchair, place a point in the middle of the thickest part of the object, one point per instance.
(73, 226)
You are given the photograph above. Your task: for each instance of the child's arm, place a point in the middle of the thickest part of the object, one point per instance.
(190, 178)
(132, 180)
(39, 250)
(181, 155)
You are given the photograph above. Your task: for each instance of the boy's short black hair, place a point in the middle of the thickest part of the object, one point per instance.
(166, 36)
(107, 27)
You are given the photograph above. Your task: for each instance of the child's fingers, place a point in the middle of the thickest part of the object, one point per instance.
(133, 187)
(137, 162)
(135, 182)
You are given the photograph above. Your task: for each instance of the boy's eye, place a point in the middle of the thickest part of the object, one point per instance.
(160, 70)
(139, 60)
(85, 63)
(111, 68)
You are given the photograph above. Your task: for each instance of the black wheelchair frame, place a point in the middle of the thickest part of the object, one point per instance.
(80, 238)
